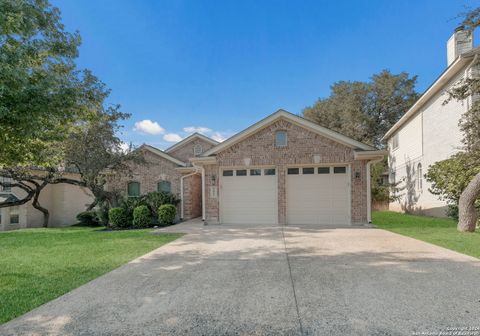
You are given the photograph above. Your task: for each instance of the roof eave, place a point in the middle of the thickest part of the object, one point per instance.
(292, 118)
(190, 138)
(444, 78)
(162, 154)
(370, 155)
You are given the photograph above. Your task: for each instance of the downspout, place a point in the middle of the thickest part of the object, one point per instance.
(181, 192)
(369, 189)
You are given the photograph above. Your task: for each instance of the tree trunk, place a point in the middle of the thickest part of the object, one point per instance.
(36, 204)
(467, 216)
(92, 205)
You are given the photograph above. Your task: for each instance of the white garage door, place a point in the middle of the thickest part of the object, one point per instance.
(318, 195)
(248, 196)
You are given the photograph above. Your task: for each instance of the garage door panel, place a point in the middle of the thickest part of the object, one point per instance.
(318, 199)
(248, 199)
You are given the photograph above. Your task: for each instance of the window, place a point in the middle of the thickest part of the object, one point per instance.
(395, 141)
(281, 139)
(269, 171)
(133, 189)
(6, 188)
(242, 172)
(292, 171)
(419, 177)
(339, 170)
(14, 217)
(324, 170)
(308, 171)
(197, 150)
(255, 172)
(227, 173)
(164, 186)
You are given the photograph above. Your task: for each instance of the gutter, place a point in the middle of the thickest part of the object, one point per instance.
(444, 78)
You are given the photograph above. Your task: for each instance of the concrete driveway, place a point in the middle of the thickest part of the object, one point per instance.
(272, 281)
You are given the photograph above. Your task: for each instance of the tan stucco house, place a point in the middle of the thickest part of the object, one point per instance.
(429, 131)
(282, 170)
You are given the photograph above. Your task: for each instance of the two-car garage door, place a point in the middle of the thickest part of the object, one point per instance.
(314, 195)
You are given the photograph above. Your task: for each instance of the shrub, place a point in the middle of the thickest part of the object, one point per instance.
(88, 218)
(156, 199)
(130, 203)
(166, 214)
(142, 217)
(118, 218)
(102, 213)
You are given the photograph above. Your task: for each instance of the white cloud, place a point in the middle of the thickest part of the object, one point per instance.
(172, 137)
(198, 129)
(149, 127)
(220, 137)
(124, 147)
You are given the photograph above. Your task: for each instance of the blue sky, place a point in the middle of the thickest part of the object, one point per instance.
(177, 65)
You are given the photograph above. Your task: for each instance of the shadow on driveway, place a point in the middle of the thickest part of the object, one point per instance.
(271, 281)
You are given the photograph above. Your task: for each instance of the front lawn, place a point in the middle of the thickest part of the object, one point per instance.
(439, 231)
(38, 265)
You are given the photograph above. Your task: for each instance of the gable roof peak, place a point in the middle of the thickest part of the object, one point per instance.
(189, 138)
(281, 113)
(161, 153)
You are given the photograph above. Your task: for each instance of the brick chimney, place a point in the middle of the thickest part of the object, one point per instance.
(460, 42)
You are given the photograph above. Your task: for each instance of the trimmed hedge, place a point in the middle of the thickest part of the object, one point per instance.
(118, 218)
(88, 218)
(166, 214)
(141, 217)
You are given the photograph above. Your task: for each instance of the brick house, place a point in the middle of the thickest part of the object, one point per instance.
(287, 170)
(168, 170)
(282, 170)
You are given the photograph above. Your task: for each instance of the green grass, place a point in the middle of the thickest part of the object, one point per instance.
(439, 231)
(38, 265)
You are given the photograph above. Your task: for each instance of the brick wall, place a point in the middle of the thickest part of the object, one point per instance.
(192, 196)
(154, 170)
(185, 152)
(302, 146)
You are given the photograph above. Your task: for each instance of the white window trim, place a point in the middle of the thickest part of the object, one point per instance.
(394, 148)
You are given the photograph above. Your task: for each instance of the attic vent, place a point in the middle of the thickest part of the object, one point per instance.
(197, 150)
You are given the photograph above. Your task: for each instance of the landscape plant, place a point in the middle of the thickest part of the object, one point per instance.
(118, 218)
(142, 217)
(166, 214)
(88, 218)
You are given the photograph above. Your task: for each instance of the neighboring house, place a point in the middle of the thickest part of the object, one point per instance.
(287, 170)
(429, 132)
(168, 170)
(64, 202)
